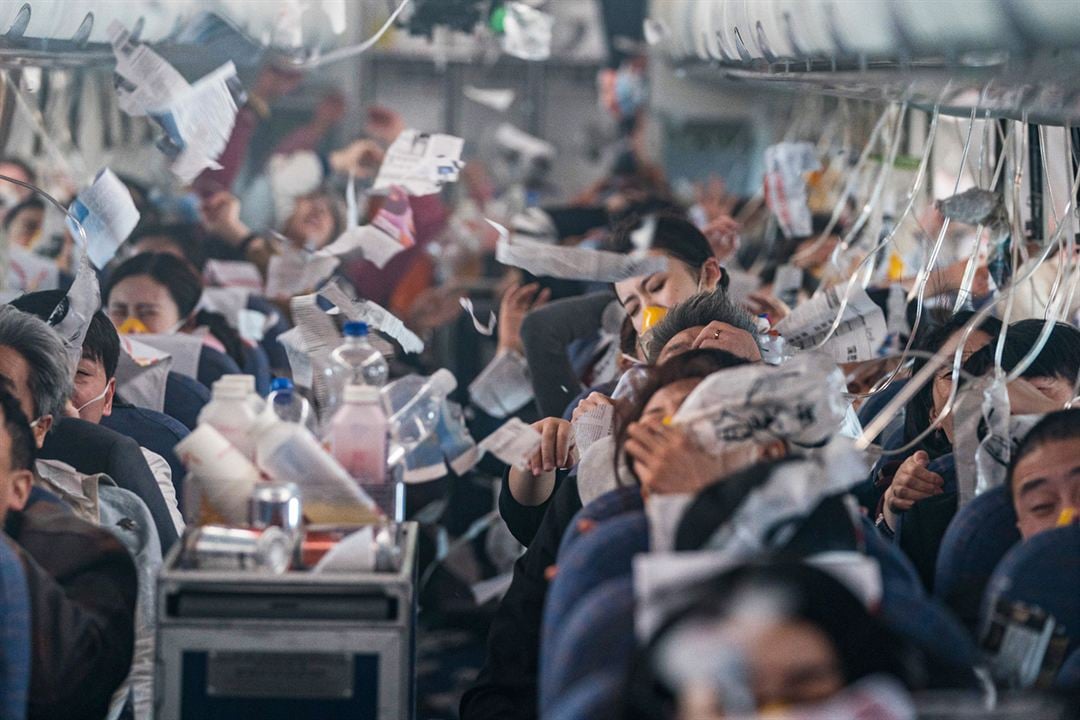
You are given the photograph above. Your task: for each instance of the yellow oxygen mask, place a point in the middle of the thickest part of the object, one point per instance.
(651, 317)
(133, 326)
(1067, 517)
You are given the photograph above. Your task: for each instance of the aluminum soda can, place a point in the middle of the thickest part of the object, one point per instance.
(275, 504)
(213, 547)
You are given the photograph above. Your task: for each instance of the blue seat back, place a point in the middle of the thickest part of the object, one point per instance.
(609, 505)
(157, 432)
(185, 398)
(975, 542)
(14, 635)
(595, 640)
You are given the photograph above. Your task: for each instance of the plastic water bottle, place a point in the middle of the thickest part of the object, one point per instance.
(289, 405)
(248, 383)
(353, 362)
(357, 437)
(231, 413)
(415, 405)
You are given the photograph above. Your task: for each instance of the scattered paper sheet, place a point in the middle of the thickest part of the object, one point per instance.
(665, 512)
(371, 313)
(654, 30)
(498, 99)
(252, 324)
(107, 214)
(184, 349)
(83, 300)
(146, 81)
(295, 272)
(597, 422)
(420, 163)
(141, 373)
(527, 32)
(513, 443)
(491, 589)
(233, 273)
(572, 263)
(390, 231)
(199, 121)
(503, 387)
(489, 328)
(29, 272)
(859, 336)
(800, 401)
(318, 337)
(299, 362)
(786, 164)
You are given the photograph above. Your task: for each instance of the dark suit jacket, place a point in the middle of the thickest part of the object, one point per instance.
(82, 589)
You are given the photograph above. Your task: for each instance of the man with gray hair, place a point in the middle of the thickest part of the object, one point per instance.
(706, 320)
(34, 364)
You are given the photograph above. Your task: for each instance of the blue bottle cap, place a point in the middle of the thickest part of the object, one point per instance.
(278, 384)
(355, 329)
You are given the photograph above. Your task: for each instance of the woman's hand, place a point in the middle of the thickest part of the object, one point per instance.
(592, 400)
(556, 443)
(668, 461)
(220, 215)
(362, 158)
(517, 302)
(761, 302)
(721, 336)
(911, 483)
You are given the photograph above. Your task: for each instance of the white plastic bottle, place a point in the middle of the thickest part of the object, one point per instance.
(230, 412)
(289, 405)
(415, 405)
(356, 436)
(248, 383)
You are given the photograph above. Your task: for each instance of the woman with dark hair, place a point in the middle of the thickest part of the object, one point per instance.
(548, 332)
(782, 634)
(158, 293)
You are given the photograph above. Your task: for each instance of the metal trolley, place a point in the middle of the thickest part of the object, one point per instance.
(295, 646)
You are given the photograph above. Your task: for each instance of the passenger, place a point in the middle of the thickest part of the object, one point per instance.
(506, 687)
(158, 293)
(761, 637)
(95, 383)
(1044, 475)
(22, 222)
(82, 588)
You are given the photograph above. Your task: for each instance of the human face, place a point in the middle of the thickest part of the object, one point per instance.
(715, 336)
(14, 484)
(93, 395)
(145, 299)
(312, 223)
(1045, 482)
(26, 227)
(15, 171)
(15, 371)
(664, 289)
(943, 379)
(664, 403)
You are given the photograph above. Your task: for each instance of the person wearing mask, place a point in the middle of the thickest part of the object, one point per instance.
(1044, 474)
(928, 498)
(506, 687)
(34, 366)
(760, 637)
(708, 320)
(81, 581)
(158, 293)
(94, 392)
(547, 332)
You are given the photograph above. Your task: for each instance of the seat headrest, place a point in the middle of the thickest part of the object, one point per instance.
(1042, 572)
(975, 542)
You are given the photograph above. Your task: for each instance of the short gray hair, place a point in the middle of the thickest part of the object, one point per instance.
(43, 350)
(697, 311)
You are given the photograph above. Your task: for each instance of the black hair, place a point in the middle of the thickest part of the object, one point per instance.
(934, 332)
(1060, 425)
(862, 643)
(101, 344)
(699, 363)
(187, 238)
(674, 235)
(23, 446)
(698, 311)
(31, 203)
(1059, 357)
(185, 288)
